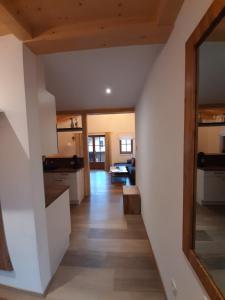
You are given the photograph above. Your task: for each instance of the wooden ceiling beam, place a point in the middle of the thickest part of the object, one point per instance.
(79, 29)
(65, 27)
(168, 10)
(10, 19)
(99, 34)
(100, 111)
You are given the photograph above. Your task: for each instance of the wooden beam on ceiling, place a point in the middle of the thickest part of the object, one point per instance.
(4, 30)
(10, 19)
(100, 111)
(65, 27)
(100, 34)
(168, 10)
(86, 156)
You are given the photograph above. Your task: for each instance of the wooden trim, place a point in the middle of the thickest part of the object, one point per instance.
(97, 135)
(207, 24)
(99, 111)
(204, 276)
(5, 261)
(86, 156)
(94, 165)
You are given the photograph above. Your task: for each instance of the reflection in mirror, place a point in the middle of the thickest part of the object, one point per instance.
(210, 186)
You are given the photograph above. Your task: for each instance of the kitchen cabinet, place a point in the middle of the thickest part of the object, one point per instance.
(210, 187)
(59, 229)
(75, 181)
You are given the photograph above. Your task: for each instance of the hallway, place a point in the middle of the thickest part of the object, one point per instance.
(109, 255)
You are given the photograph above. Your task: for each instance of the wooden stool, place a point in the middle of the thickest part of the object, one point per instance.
(131, 200)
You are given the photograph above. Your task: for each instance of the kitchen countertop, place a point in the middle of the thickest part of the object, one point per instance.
(63, 170)
(53, 192)
(216, 168)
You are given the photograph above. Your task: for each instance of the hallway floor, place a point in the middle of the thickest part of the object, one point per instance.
(109, 256)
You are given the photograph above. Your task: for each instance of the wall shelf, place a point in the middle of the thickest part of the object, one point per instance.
(69, 129)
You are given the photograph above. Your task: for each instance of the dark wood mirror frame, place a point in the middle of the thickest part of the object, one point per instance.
(207, 24)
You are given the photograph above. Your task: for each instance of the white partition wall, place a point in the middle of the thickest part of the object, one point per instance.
(21, 180)
(160, 139)
(47, 114)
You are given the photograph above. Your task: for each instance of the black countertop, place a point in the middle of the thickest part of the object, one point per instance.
(212, 168)
(62, 164)
(63, 170)
(53, 192)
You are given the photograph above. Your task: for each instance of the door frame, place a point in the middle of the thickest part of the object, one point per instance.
(96, 165)
(84, 114)
(212, 17)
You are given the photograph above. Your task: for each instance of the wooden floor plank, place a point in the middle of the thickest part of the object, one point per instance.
(109, 257)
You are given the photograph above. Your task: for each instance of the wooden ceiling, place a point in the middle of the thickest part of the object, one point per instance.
(48, 26)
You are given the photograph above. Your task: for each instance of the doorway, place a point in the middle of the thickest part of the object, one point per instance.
(96, 150)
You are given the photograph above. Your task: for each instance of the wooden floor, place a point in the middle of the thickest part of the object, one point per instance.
(210, 241)
(109, 256)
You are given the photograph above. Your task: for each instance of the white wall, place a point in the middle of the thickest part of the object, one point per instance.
(31, 80)
(47, 114)
(160, 137)
(70, 144)
(119, 125)
(210, 139)
(21, 182)
(78, 79)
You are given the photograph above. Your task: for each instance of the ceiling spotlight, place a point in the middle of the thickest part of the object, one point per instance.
(108, 91)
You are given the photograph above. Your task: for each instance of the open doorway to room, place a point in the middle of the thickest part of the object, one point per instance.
(111, 148)
(95, 91)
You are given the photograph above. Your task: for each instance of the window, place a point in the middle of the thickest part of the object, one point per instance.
(126, 146)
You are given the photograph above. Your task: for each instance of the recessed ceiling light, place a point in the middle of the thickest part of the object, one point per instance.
(108, 91)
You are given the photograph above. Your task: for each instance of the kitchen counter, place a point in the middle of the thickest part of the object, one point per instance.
(67, 176)
(63, 164)
(63, 170)
(53, 192)
(212, 168)
(210, 185)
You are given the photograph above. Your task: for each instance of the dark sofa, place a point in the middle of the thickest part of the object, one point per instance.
(130, 165)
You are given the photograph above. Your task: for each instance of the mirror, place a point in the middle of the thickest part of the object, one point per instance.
(209, 227)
